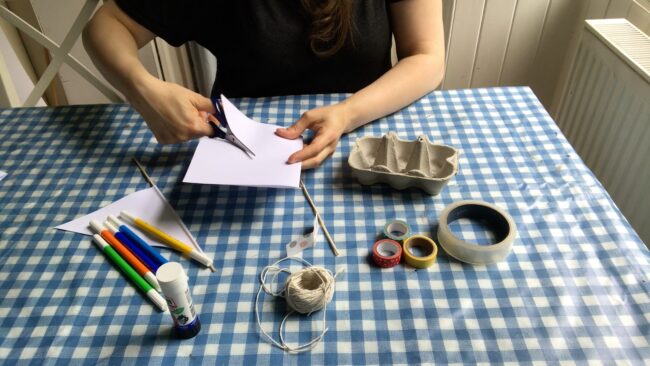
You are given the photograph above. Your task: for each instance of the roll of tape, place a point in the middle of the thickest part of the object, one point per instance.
(397, 230)
(498, 220)
(386, 253)
(426, 245)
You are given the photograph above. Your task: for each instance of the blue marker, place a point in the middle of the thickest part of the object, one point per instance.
(132, 247)
(150, 252)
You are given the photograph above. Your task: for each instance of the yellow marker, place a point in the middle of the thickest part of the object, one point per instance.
(167, 239)
(428, 247)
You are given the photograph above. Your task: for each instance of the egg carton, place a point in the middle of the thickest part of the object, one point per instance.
(402, 163)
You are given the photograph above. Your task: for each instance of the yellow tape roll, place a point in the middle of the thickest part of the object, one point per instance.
(427, 246)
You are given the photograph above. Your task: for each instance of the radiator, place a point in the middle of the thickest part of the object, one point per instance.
(605, 114)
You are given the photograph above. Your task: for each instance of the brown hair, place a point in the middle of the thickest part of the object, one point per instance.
(331, 25)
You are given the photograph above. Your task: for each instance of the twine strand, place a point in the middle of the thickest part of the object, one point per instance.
(306, 290)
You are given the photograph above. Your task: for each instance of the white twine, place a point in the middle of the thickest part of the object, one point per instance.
(306, 291)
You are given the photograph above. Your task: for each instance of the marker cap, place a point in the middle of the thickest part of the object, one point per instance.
(151, 278)
(96, 226)
(127, 216)
(200, 257)
(157, 299)
(110, 227)
(99, 241)
(115, 221)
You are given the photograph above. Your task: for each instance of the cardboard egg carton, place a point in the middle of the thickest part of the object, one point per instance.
(402, 163)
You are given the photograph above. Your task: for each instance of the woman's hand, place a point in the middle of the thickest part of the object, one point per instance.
(329, 123)
(172, 112)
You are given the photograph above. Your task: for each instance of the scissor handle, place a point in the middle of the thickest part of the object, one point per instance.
(221, 116)
(216, 131)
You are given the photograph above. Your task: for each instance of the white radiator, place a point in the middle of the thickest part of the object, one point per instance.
(605, 114)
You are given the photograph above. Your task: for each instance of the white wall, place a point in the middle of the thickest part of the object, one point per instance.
(636, 11)
(523, 42)
(490, 43)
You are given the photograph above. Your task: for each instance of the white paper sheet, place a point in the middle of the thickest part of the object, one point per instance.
(216, 161)
(148, 204)
(2, 175)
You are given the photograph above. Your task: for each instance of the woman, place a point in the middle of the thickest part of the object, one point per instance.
(266, 48)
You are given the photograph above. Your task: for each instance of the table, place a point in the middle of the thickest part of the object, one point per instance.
(574, 288)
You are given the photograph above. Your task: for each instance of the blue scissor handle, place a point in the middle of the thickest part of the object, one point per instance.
(221, 116)
(217, 131)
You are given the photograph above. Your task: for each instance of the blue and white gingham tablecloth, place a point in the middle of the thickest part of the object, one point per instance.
(574, 289)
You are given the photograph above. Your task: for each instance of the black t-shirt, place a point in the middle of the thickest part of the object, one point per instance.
(263, 48)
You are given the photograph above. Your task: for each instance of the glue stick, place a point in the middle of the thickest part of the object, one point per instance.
(173, 281)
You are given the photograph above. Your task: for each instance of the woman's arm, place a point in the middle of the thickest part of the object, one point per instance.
(173, 113)
(419, 38)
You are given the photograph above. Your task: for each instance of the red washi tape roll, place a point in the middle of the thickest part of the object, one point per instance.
(386, 253)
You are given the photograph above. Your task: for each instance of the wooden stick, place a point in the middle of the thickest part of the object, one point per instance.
(143, 172)
(320, 220)
(150, 181)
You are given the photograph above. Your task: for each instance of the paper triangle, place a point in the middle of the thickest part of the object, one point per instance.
(148, 204)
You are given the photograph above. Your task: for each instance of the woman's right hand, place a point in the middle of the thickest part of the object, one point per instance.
(172, 112)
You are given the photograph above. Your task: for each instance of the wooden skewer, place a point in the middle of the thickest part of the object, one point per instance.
(143, 172)
(151, 183)
(320, 220)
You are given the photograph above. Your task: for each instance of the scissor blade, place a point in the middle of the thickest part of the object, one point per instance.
(245, 149)
(235, 141)
(248, 153)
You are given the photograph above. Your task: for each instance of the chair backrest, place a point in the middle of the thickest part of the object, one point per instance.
(60, 53)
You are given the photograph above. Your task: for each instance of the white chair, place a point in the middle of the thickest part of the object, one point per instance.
(60, 53)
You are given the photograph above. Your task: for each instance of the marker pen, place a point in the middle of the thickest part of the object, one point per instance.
(167, 239)
(129, 244)
(125, 253)
(144, 246)
(129, 272)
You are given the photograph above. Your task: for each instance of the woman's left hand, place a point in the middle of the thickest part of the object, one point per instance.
(328, 122)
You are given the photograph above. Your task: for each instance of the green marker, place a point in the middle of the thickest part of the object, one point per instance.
(129, 272)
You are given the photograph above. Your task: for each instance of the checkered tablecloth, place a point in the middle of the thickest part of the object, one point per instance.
(574, 289)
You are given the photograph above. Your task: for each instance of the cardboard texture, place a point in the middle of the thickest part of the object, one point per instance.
(402, 163)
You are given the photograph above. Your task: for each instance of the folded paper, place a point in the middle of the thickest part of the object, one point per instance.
(217, 161)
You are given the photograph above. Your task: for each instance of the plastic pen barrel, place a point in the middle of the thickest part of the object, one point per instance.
(169, 240)
(134, 248)
(130, 273)
(125, 253)
(159, 234)
(143, 245)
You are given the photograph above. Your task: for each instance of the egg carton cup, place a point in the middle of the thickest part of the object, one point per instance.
(402, 163)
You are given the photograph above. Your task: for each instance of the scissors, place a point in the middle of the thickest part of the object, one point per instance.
(220, 128)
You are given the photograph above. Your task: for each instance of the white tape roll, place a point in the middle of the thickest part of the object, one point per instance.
(498, 220)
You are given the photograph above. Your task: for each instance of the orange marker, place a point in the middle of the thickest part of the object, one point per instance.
(125, 253)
